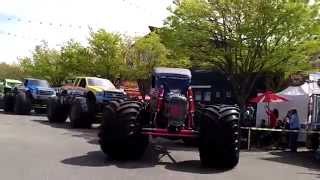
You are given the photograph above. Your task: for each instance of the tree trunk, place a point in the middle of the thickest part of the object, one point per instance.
(144, 86)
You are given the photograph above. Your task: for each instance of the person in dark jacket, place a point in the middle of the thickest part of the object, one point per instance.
(294, 124)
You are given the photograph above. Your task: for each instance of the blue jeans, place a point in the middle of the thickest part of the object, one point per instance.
(293, 140)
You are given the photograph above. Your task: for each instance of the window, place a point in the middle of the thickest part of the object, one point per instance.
(228, 94)
(100, 82)
(198, 96)
(218, 94)
(25, 82)
(207, 96)
(76, 82)
(153, 83)
(82, 83)
(36, 82)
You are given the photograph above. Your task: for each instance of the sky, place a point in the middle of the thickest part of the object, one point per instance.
(24, 23)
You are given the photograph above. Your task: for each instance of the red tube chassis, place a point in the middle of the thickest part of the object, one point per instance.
(165, 133)
(186, 132)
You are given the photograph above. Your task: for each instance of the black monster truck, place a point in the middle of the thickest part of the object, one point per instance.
(171, 113)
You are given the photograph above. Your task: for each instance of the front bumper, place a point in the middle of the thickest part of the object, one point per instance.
(108, 98)
(41, 101)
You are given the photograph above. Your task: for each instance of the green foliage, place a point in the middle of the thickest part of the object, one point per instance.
(44, 64)
(146, 53)
(76, 60)
(244, 38)
(56, 66)
(107, 53)
(11, 71)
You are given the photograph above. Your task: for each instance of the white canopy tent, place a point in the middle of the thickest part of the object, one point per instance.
(298, 98)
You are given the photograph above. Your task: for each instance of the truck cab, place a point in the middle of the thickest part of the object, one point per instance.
(102, 90)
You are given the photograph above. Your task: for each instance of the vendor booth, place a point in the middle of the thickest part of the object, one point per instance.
(298, 98)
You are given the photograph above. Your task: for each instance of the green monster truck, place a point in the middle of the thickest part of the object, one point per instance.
(83, 101)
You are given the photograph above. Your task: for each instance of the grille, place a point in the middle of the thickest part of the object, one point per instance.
(113, 94)
(41, 92)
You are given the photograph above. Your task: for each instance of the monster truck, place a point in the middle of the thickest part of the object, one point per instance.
(83, 102)
(33, 93)
(171, 113)
(6, 85)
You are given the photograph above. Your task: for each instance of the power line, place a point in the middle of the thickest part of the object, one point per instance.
(51, 24)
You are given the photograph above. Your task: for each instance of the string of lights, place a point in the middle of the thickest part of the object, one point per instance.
(20, 36)
(55, 25)
(70, 25)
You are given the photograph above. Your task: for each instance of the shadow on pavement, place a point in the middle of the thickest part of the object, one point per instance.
(303, 159)
(98, 158)
(149, 160)
(193, 166)
(91, 159)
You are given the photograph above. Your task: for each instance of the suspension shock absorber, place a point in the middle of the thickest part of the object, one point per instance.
(191, 108)
(159, 104)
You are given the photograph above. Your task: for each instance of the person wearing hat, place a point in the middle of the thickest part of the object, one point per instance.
(294, 124)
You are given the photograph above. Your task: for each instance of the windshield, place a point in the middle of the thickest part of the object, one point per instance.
(11, 84)
(100, 82)
(174, 84)
(41, 83)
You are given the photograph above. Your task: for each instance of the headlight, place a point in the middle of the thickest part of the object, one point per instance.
(99, 93)
(34, 91)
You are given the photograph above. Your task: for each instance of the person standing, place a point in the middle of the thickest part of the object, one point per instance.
(273, 116)
(294, 124)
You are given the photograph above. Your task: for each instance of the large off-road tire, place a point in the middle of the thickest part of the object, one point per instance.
(219, 136)
(120, 136)
(81, 115)
(57, 112)
(22, 104)
(109, 111)
(8, 103)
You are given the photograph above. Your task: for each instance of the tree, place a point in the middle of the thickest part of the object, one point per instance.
(44, 64)
(146, 53)
(11, 71)
(76, 60)
(244, 38)
(107, 53)
(143, 55)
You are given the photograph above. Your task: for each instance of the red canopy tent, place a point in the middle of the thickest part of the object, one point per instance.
(268, 97)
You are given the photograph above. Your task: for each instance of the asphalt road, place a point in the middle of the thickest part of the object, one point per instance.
(32, 149)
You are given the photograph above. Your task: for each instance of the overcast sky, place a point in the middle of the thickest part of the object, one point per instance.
(24, 23)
